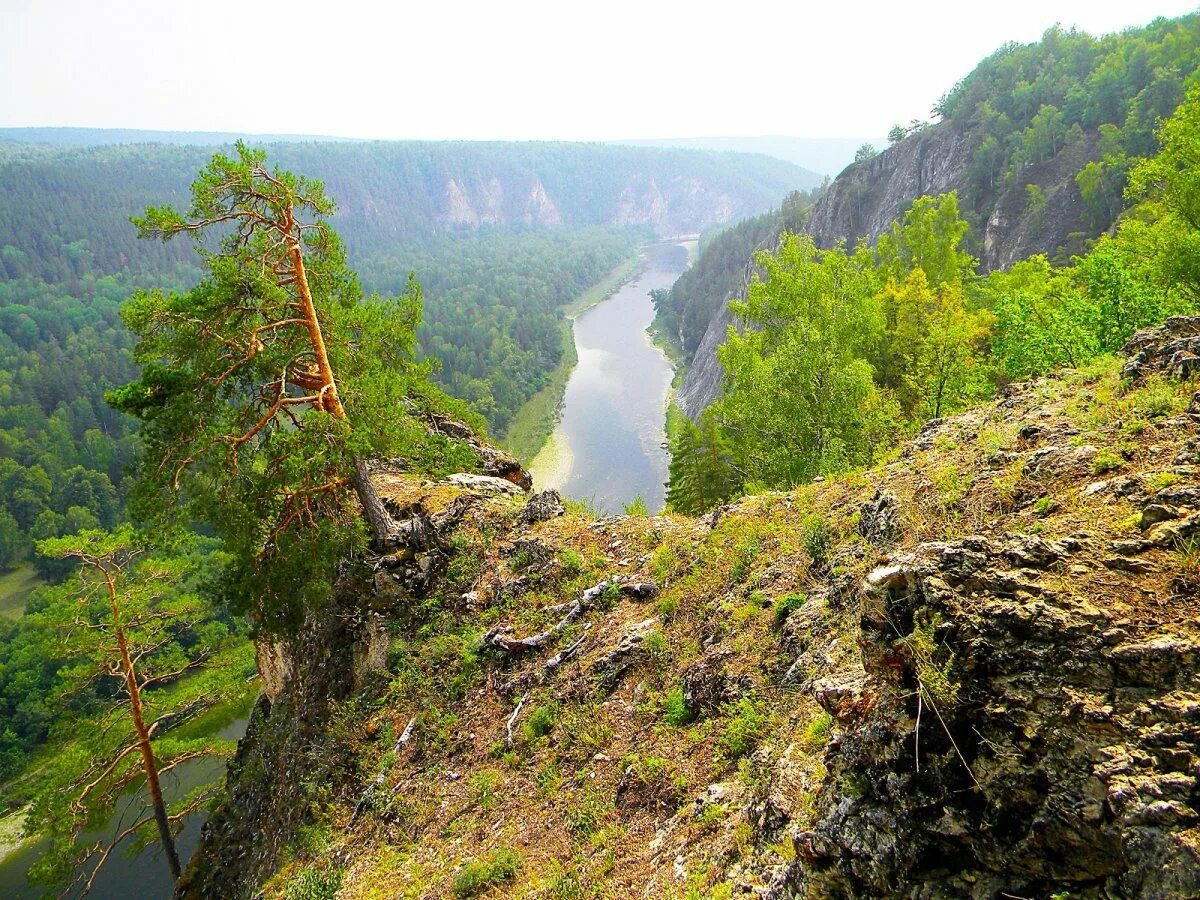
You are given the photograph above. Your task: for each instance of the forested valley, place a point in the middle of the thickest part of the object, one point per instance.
(917, 620)
(498, 237)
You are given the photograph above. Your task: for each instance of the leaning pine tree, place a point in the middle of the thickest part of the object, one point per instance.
(265, 388)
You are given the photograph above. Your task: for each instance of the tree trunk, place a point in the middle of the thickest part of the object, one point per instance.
(378, 519)
(143, 735)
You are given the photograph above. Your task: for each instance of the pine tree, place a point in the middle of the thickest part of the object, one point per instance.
(265, 388)
(701, 468)
(128, 631)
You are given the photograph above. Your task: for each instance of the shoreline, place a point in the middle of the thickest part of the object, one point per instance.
(12, 832)
(669, 346)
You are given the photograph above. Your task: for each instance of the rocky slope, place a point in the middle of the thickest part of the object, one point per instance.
(970, 671)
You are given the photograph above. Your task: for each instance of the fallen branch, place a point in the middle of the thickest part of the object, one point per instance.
(368, 795)
(512, 720)
(405, 736)
(498, 639)
(567, 653)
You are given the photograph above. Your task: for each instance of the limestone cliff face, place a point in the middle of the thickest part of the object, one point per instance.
(864, 201)
(866, 198)
(702, 383)
(670, 205)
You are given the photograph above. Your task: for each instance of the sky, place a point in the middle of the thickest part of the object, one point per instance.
(511, 69)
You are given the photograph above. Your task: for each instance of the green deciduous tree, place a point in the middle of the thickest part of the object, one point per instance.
(1170, 183)
(800, 396)
(937, 347)
(929, 237)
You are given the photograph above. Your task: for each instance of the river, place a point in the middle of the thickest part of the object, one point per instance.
(608, 446)
(142, 875)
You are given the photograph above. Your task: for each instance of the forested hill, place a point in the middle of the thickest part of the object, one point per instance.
(67, 209)
(1037, 143)
(1037, 140)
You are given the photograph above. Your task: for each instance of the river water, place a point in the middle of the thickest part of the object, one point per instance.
(608, 447)
(143, 875)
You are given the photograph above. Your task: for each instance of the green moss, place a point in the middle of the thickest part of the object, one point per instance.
(1160, 480)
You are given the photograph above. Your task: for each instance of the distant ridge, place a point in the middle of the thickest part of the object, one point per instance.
(96, 137)
(820, 156)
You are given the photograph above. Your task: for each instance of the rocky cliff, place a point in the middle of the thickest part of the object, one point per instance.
(864, 201)
(970, 672)
(867, 197)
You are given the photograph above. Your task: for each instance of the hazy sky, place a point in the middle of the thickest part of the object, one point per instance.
(518, 69)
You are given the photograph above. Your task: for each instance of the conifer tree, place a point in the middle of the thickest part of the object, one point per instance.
(129, 630)
(702, 474)
(265, 388)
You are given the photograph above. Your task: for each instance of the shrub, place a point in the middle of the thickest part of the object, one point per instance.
(542, 720)
(788, 604)
(655, 643)
(675, 708)
(477, 876)
(637, 507)
(588, 813)
(1045, 506)
(483, 787)
(933, 677)
(816, 734)
(313, 885)
(817, 538)
(1106, 461)
(743, 730)
(572, 562)
(653, 782)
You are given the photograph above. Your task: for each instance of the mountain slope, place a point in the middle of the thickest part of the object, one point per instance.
(968, 672)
